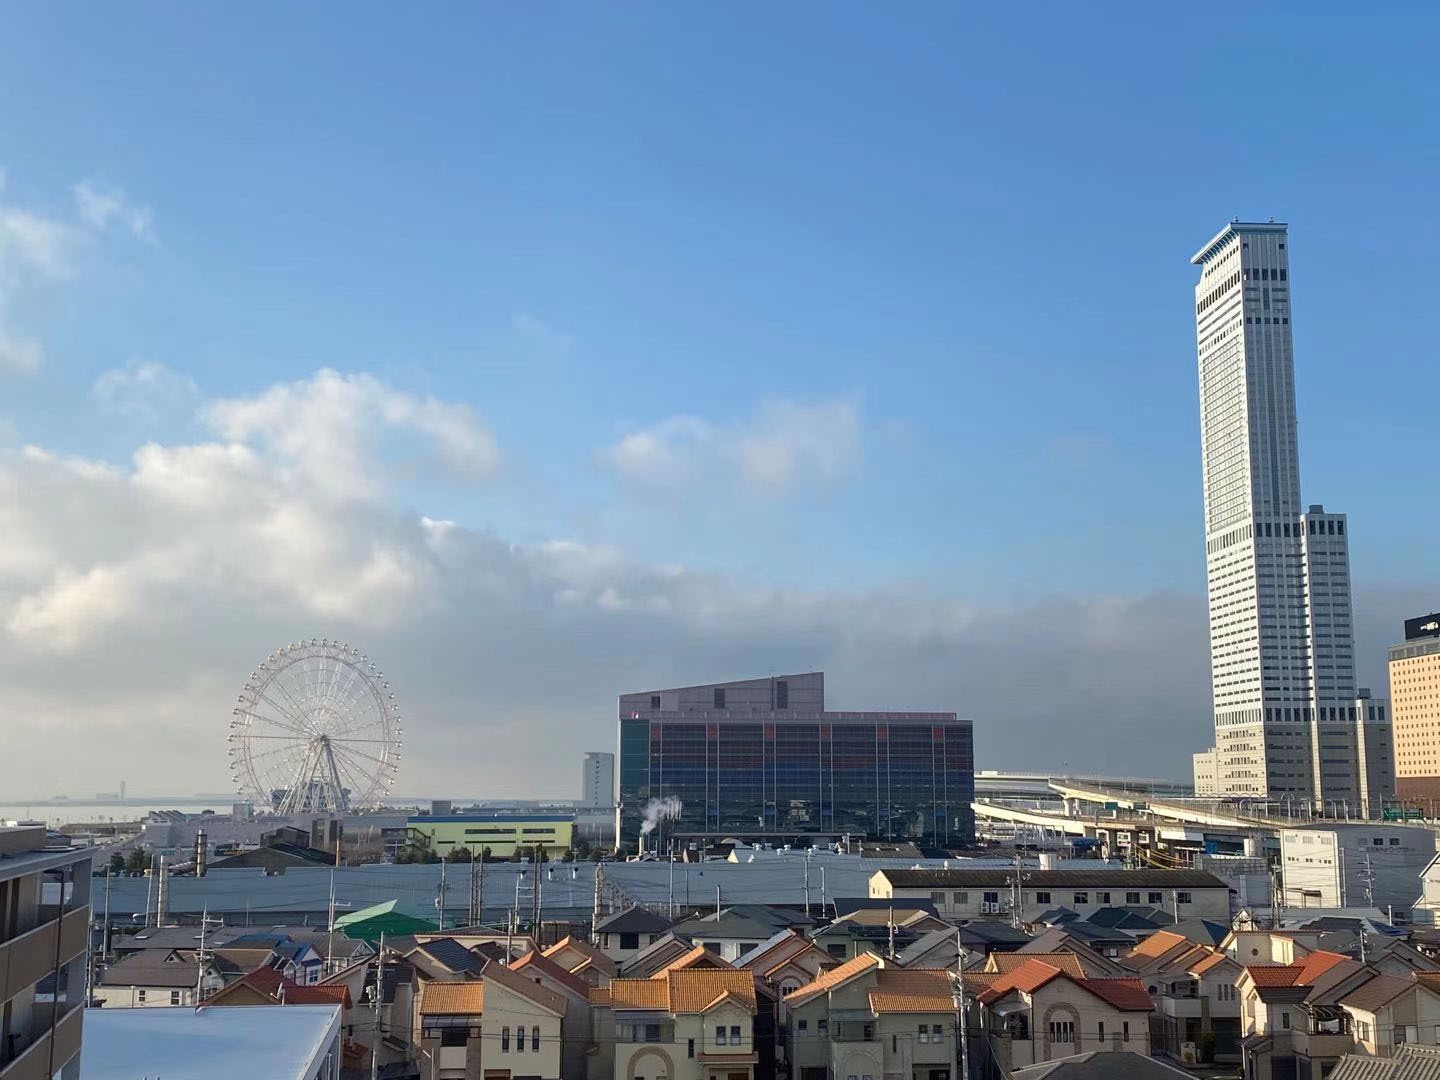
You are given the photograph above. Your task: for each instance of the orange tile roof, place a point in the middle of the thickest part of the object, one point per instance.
(452, 998)
(834, 977)
(698, 989)
(1127, 995)
(1028, 977)
(639, 994)
(699, 956)
(1270, 976)
(1158, 944)
(1212, 958)
(593, 956)
(1004, 963)
(1316, 964)
(915, 991)
(539, 962)
(318, 995)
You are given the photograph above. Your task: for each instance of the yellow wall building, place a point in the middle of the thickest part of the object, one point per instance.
(1415, 706)
(501, 833)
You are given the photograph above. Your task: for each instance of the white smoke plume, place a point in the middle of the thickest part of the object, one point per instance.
(658, 810)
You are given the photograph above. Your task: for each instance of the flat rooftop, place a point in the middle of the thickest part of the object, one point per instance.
(277, 1042)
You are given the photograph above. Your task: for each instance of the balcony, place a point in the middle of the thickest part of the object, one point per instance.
(35, 1060)
(27, 958)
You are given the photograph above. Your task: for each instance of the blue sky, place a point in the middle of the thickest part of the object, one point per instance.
(963, 233)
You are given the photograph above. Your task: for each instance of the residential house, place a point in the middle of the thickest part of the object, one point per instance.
(1391, 1011)
(876, 929)
(445, 959)
(572, 987)
(786, 961)
(146, 979)
(697, 1024)
(655, 956)
(500, 1025)
(579, 957)
(989, 893)
(1197, 1007)
(1292, 1021)
(1096, 961)
(730, 934)
(1039, 1012)
(623, 934)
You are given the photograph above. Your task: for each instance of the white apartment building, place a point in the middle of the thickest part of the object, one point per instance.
(597, 783)
(1355, 865)
(1286, 709)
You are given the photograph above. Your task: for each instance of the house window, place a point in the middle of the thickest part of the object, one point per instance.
(719, 1035)
(1132, 898)
(629, 941)
(174, 997)
(504, 1040)
(961, 898)
(1156, 899)
(1285, 1018)
(1081, 898)
(1102, 898)
(823, 1026)
(690, 1048)
(719, 697)
(1100, 1030)
(924, 1033)
(453, 1036)
(1062, 1031)
(520, 1039)
(140, 996)
(734, 1034)
(938, 899)
(935, 1034)
(650, 1032)
(782, 694)
(992, 898)
(1125, 1031)
(535, 1039)
(1182, 898)
(654, 701)
(1042, 898)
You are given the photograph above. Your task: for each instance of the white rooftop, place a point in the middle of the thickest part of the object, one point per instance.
(277, 1042)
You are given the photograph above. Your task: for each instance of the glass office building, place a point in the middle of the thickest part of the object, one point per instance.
(762, 758)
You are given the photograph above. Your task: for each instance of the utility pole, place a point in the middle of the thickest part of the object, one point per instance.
(670, 899)
(329, 930)
(961, 1022)
(202, 957)
(150, 886)
(471, 918)
(595, 915)
(440, 900)
(379, 996)
(807, 882)
(823, 892)
(717, 903)
(105, 931)
(1369, 878)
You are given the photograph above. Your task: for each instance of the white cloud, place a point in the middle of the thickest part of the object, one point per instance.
(143, 390)
(35, 249)
(784, 446)
(135, 598)
(326, 430)
(100, 206)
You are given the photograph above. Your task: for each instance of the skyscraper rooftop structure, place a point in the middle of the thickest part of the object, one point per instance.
(1289, 721)
(763, 758)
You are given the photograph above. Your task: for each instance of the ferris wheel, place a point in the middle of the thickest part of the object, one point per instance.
(316, 728)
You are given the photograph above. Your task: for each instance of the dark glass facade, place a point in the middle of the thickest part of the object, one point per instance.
(900, 776)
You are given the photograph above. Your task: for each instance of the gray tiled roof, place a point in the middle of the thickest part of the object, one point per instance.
(1101, 1065)
(1055, 879)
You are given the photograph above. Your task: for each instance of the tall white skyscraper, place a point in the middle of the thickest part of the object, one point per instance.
(1288, 720)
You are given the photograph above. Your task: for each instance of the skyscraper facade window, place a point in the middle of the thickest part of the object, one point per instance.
(1281, 645)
